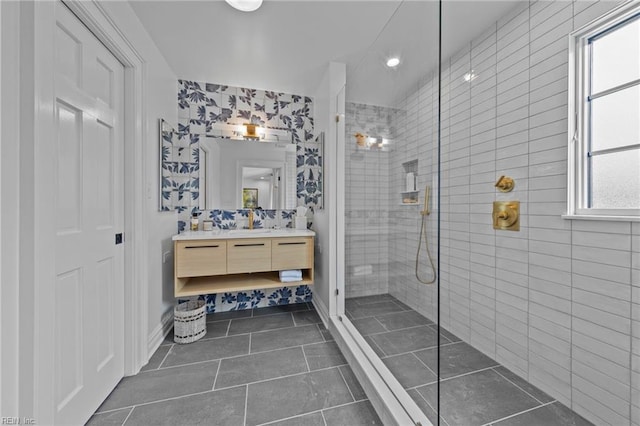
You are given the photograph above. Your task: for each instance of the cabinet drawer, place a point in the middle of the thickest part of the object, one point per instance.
(248, 255)
(292, 253)
(200, 258)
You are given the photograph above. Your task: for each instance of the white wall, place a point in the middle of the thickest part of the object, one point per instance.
(160, 102)
(559, 301)
(325, 221)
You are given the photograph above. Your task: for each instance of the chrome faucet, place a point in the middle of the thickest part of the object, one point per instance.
(250, 218)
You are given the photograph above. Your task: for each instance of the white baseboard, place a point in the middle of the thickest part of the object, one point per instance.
(157, 336)
(322, 310)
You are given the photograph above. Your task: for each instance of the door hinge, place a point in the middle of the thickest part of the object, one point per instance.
(337, 118)
(119, 238)
(337, 291)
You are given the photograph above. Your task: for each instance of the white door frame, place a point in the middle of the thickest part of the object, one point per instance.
(37, 272)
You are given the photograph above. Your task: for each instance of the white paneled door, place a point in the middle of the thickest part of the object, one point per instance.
(89, 285)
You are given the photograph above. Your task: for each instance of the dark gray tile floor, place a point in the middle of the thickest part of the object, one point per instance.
(474, 390)
(275, 365)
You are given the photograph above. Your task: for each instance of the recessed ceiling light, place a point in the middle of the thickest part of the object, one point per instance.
(393, 62)
(245, 5)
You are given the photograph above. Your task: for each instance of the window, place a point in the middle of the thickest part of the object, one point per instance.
(604, 162)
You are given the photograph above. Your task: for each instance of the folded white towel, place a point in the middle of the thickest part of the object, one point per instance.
(290, 279)
(291, 273)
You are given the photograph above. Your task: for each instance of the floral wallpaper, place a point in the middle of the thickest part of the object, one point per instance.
(232, 219)
(202, 105)
(225, 302)
(180, 171)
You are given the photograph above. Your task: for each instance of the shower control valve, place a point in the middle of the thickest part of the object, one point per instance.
(506, 215)
(505, 184)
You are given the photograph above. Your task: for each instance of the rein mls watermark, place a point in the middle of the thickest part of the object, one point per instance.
(17, 421)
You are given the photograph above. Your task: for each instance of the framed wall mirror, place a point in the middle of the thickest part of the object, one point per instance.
(209, 172)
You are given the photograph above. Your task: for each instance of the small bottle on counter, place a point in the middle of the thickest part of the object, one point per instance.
(194, 221)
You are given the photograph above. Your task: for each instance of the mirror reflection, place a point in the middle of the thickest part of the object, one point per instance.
(247, 174)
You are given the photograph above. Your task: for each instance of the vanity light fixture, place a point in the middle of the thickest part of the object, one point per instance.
(393, 62)
(249, 131)
(245, 5)
(470, 76)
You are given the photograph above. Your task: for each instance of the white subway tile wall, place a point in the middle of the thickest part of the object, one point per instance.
(557, 302)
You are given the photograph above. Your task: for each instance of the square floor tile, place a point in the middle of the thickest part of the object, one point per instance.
(205, 350)
(353, 383)
(368, 326)
(425, 407)
(477, 398)
(216, 329)
(409, 371)
(367, 300)
(326, 334)
(373, 309)
(408, 340)
(168, 339)
(112, 418)
(306, 317)
(446, 334)
(223, 407)
(266, 365)
(554, 414)
(262, 323)
(156, 358)
(161, 384)
(404, 319)
(373, 345)
(291, 396)
(358, 413)
(524, 385)
(323, 355)
(222, 316)
(285, 338)
(402, 305)
(313, 419)
(455, 359)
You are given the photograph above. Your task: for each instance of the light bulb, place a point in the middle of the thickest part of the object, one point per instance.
(393, 62)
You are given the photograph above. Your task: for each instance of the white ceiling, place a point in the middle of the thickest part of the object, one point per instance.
(286, 45)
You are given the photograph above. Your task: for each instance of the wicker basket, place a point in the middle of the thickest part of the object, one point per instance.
(189, 321)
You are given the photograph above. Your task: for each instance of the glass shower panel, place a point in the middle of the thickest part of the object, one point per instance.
(391, 159)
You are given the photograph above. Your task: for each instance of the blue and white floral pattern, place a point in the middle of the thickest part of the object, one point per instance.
(180, 170)
(232, 219)
(200, 105)
(256, 298)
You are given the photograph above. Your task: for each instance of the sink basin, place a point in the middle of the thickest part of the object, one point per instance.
(249, 231)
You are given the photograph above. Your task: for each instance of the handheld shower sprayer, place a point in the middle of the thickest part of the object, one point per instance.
(423, 235)
(427, 194)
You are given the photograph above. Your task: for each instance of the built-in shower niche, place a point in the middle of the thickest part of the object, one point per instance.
(409, 192)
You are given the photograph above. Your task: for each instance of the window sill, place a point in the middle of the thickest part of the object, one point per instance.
(609, 218)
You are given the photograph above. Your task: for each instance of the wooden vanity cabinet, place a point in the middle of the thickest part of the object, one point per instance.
(200, 258)
(292, 253)
(241, 264)
(248, 255)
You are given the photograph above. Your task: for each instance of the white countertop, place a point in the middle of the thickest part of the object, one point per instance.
(242, 233)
